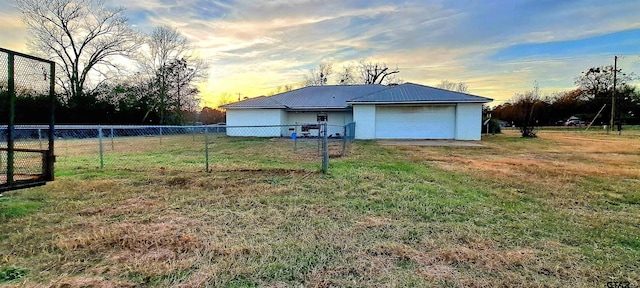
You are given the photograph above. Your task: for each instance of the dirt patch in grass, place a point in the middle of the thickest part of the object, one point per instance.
(96, 282)
(168, 232)
(160, 247)
(273, 172)
(514, 213)
(561, 160)
(128, 206)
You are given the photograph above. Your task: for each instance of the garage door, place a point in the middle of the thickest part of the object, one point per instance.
(415, 122)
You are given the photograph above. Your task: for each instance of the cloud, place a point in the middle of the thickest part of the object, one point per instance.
(498, 47)
(13, 34)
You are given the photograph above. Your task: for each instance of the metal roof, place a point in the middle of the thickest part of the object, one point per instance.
(257, 102)
(342, 96)
(415, 93)
(310, 97)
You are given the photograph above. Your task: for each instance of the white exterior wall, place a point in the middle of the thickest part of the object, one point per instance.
(336, 120)
(365, 118)
(468, 118)
(254, 117)
(468, 121)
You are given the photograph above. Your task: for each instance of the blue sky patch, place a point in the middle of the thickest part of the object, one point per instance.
(620, 43)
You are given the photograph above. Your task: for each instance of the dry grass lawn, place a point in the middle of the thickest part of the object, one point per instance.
(562, 210)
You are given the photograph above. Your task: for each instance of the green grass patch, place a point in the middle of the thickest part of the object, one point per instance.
(9, 274)
(382, 216)
(241, 282)
(11, 207)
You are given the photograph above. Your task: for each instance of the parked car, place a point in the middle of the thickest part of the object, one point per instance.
(575, 122)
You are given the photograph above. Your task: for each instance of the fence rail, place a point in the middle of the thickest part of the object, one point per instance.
(191, 148)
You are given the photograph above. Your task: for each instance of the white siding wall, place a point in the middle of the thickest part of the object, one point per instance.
(365, 118)
(336, 120)
(468, 121)
(253, 117)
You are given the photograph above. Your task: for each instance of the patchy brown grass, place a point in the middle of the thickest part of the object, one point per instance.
(562, 157)
(560, 210)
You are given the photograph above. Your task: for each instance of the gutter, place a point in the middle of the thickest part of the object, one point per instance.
(414, 102)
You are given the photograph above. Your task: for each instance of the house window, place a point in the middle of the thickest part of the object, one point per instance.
(307, 127)
(322, 117)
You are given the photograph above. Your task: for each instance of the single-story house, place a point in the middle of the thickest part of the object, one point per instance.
(405, 111)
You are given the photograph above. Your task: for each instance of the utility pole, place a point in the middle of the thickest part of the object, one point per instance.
(613, 96)
(614, 93)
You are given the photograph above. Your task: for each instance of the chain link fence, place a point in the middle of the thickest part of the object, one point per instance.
(26, 97)
(194, 148)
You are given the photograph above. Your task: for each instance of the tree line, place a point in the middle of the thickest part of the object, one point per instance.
(591, 101)
(108, 73)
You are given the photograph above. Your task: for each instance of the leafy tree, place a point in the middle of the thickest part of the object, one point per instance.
(628, 105)
(172, 84)
(564, 105)
(596, 85)
(597, 81)
(81, 36)
(212, 116)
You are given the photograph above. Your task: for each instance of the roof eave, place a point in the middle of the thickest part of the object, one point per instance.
(416, 102)
(251, 107)
(319, 108)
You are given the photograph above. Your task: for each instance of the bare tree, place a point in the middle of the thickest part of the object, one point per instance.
(528, 105)
(275, 91)
(162, 46)
(167, 61)
(392, 80)
(374, 73)
(225, 98)
(82, 36)
(281, 89)
(346, 76)
(319, 77)
(453, 86)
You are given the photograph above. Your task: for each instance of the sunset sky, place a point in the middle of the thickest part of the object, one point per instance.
(498, 48)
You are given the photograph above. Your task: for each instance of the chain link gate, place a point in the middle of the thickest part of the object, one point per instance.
(27, 97)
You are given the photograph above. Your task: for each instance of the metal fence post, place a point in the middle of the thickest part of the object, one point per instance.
(12, 110)
(344, 140)
(325, 149)
(160, 135)
(206, 148)
(112, 146)
(52, 100)
(100, 144)
(40, 137)
(295, 139)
